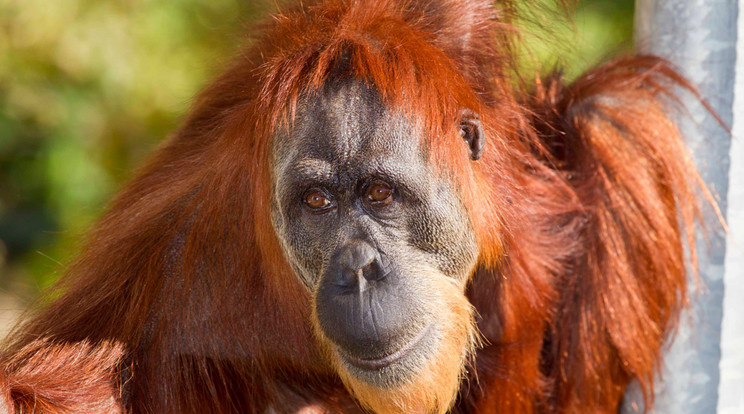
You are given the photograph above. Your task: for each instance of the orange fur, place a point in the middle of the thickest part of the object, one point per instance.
(581, 204)
(38, 379)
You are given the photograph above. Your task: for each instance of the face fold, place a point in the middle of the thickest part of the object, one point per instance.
(381, 239)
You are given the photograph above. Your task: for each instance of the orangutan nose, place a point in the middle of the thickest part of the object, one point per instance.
(357, 260)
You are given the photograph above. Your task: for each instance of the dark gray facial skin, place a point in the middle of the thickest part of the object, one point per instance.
(367, 263)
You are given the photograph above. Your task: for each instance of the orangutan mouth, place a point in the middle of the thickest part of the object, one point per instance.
(379, 363)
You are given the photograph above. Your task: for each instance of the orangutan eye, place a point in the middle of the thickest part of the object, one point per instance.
(379, 194)
(316, 200)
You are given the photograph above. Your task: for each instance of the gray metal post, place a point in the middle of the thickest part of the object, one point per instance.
(700, 38)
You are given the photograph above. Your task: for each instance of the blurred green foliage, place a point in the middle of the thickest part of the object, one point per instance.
(89, 87)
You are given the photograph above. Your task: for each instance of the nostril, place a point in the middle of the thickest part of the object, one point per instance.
(360, 263)
(372, 272)
(358, 259)
(348, 277)
(357, 255)
(351, 278)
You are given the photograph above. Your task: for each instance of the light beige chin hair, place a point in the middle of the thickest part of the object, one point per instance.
(434, 388)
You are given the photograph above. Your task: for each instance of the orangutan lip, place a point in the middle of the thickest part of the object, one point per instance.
(375, 364)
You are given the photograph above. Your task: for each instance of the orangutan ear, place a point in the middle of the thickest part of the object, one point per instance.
(472, 132)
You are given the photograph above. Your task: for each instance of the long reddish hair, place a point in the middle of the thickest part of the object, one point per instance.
(580, 204)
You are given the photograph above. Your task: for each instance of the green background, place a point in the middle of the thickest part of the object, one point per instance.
(88, 88)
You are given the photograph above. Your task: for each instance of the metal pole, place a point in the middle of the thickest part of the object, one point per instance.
(700, 38)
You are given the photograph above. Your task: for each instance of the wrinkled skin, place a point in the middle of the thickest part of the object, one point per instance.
(367, 262)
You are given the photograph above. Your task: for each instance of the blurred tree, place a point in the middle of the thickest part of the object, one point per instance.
(89, 87)
(575, 40)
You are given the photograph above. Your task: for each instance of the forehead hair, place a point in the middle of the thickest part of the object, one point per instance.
(378, 44)
(428, 65)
